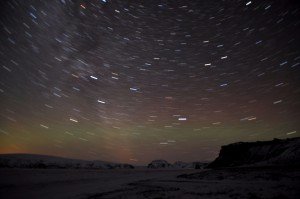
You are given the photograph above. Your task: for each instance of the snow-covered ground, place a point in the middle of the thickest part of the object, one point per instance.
(150, 183)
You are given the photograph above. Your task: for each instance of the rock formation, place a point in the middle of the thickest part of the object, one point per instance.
(159, 164)
(262, 153)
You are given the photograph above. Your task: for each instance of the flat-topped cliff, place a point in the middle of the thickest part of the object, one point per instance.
(262, 153)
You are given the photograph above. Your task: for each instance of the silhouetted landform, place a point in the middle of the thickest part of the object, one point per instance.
(198, 165)
(158, 164)
(163, 164)
(262, 153)
(45, 161)
(189, 165)
(181, 165)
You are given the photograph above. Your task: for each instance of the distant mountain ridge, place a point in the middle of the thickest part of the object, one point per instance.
(277, 152)
(46, 161)
(163, 164)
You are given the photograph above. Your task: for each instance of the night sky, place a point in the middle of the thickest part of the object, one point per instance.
(133, 81)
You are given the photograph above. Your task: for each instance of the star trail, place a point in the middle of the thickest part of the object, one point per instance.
(133, 81)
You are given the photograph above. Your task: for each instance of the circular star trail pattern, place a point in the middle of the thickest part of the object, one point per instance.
(132, 81)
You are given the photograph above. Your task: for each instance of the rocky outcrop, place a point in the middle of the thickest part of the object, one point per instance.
(159, 164)
(44, 161)
(163, 164)
(181, 165)
(122, 166)
(192, 165)
(198, 165)
(262, 153)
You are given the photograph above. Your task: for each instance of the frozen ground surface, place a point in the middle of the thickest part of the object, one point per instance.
(252, 183)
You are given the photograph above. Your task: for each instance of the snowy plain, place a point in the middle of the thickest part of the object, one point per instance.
(241, 182)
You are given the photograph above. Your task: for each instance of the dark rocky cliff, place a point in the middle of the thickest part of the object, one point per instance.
(262, 153)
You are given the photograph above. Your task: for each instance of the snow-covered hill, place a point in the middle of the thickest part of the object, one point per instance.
(44, 161)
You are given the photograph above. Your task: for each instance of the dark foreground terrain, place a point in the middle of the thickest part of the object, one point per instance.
(245, 182)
